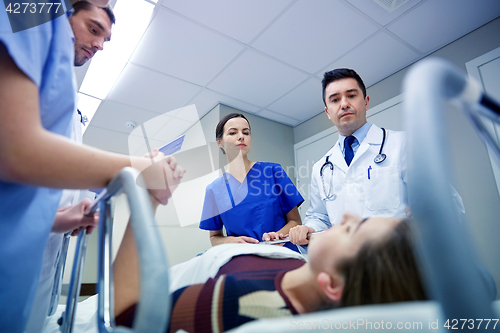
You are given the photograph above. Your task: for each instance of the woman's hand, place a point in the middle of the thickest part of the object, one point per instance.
(269, 236)
(240, 239)
(217, 237)
(72, 218)
(300, 234)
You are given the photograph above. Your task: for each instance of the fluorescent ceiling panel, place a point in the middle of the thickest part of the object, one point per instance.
(133, 17)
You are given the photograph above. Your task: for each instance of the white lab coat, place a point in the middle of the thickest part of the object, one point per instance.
(383, 193)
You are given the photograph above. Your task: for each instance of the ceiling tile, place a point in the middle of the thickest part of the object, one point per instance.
(312, 34)
(154, 125)
(150, 90)
(256, 79)
(387, 56)
(241, 20)
(278, 117)
(183, 49)
(437, 23)
(173, 129)
(302, 103)
(188, 113)
(106, 139)
(380, 15)
(139, 147)
(208, 99)
(113, 115)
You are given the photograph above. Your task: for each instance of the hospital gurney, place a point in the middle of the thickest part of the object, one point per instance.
(427, 86)
(154, 305)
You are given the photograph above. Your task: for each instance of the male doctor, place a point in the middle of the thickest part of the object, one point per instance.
(355, 175)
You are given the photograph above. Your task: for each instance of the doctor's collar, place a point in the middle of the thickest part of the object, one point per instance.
(360, 134)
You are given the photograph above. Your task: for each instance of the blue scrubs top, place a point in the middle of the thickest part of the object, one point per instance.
(45, 54)
(254, 207)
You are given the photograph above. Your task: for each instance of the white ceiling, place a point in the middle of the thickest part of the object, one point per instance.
(267, 57)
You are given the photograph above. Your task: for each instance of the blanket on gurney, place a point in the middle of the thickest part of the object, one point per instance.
(194, 271)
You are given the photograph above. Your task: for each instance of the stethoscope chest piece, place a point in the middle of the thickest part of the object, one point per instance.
(380, 158)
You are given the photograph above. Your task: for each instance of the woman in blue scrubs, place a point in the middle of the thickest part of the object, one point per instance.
(254, 201)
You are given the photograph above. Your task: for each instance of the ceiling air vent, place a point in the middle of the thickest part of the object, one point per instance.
(390, 5)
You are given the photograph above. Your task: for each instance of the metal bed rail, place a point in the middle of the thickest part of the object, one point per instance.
(153, 310)
(456, 284)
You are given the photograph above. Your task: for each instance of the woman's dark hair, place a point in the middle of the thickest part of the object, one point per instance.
(219, 130)
(85, 5)
(339, 74)
(383, 271)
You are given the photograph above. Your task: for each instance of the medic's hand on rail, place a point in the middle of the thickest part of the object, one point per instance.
(300, 234)
(161, 177)
(408, 212)
(73, 217)
(269, 236)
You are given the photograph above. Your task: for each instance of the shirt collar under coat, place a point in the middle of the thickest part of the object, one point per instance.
(373, 137)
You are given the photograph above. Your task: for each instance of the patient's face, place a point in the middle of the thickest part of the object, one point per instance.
(344, 240)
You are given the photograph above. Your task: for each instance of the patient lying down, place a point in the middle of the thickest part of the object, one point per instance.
(361, 261)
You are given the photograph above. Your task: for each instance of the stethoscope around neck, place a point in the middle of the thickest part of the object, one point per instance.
(378, 159)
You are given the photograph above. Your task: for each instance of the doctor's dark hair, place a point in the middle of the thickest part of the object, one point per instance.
(339, 74)
(219, 130)
(85, 5)
(383, 271)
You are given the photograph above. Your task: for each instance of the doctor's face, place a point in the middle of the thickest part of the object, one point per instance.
(236, 137)
(92, 28)
(345, 105)
(344, 240)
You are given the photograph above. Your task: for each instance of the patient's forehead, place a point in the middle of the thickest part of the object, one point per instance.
(375, 228)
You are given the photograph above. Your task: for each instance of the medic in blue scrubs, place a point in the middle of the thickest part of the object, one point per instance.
(254, 201)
